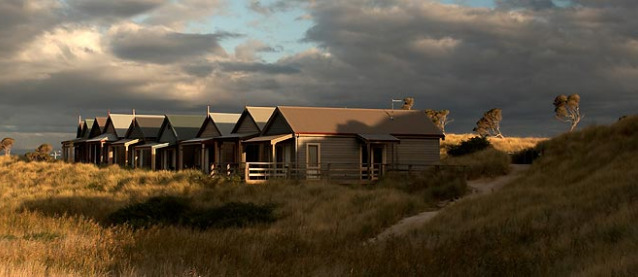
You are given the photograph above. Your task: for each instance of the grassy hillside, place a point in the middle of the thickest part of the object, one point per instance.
(52, 222)
(574, 213)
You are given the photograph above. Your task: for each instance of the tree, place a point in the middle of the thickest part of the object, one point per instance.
(567, 109)
(439, 118)
(407, 103)
(6, 144)
(41, 153)
(490, 124)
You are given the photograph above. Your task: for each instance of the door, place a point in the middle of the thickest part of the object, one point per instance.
(313, 161)
(378, 160)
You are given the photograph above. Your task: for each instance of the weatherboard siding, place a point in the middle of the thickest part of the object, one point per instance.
(337, 151)
(418, 151)
(209, 130)
(167, 135)
(278, 126)
(247, 126)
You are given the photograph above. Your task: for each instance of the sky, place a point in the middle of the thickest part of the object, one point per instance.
(64, 58)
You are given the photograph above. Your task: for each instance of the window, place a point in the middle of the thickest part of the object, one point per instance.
(313, 155)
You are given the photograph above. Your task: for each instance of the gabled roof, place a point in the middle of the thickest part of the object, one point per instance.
(98, 126)
(86, 128)
(314, 120)
(185, 126)
(258, 115)
(149, 125)
(225, 122)
(121, 123)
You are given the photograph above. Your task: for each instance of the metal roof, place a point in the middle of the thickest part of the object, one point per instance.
(186, 126)
(225, 122)
(121, 123)
(271, 139)
(149, 124)
(260, 115)
(313, 120)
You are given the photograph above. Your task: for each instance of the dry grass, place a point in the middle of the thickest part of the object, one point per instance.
(507, 145)
(573, 213)
(51, 218)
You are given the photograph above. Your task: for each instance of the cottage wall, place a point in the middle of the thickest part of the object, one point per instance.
(418, 151)
(247, 126)
(209, 130)
(341, 151)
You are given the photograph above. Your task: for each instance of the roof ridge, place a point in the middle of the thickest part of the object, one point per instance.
(346, 108)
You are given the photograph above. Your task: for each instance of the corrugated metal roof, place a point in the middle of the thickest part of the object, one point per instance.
(149, 124)
(225, 122)
(86, 128)
(121, 123)
(101, 122)
(313, 120)
(260, 115)
(186, 126)
(275, 138)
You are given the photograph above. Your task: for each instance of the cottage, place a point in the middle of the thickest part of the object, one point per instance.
(342, 143)
(176, 129)
(143, 130)
(114, 130)
(206, 147)
(73, 150)
(95, 148)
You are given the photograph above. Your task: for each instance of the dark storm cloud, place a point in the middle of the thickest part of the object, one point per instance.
(116, 9)
(157, 46)
(259, 68)
(470, 60)
(525, 4)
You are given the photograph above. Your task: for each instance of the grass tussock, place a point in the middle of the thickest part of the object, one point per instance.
(486, 163)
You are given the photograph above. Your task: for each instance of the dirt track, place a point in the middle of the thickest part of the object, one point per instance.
(479, 188)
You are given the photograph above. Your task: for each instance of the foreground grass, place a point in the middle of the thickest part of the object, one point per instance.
(52, 223)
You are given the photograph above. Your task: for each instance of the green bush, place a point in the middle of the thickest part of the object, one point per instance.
(525, 156)
(437, 183)
(469, 146)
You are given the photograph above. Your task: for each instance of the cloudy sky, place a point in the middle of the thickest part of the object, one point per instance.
(64, 58)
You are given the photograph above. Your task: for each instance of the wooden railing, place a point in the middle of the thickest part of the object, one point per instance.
(255, 172)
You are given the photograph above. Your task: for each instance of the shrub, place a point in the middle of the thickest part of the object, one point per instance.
(472, 145)
(525, 156)
(169, 210)
(233, 214)
(166, 210)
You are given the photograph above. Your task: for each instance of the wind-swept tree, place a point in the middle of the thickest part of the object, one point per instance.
(41, 153)
(6, 144)
(567, 109)
(408, 102)
(439, 118)
(490, 124)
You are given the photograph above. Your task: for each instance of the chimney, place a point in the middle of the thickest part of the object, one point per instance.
(208, 110)
(79, 119)
(108, 112)
(133, 112)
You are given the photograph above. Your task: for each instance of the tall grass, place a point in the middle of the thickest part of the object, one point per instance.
(507, 144)
(572, 214)
(52, 222)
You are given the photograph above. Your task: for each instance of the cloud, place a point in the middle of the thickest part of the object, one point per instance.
(249, 50)
(162, 46)
(21, 21)
(177, 14)
(113, 9)
(525, 4)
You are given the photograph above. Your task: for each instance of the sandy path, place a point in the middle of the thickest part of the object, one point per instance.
(478, 187)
